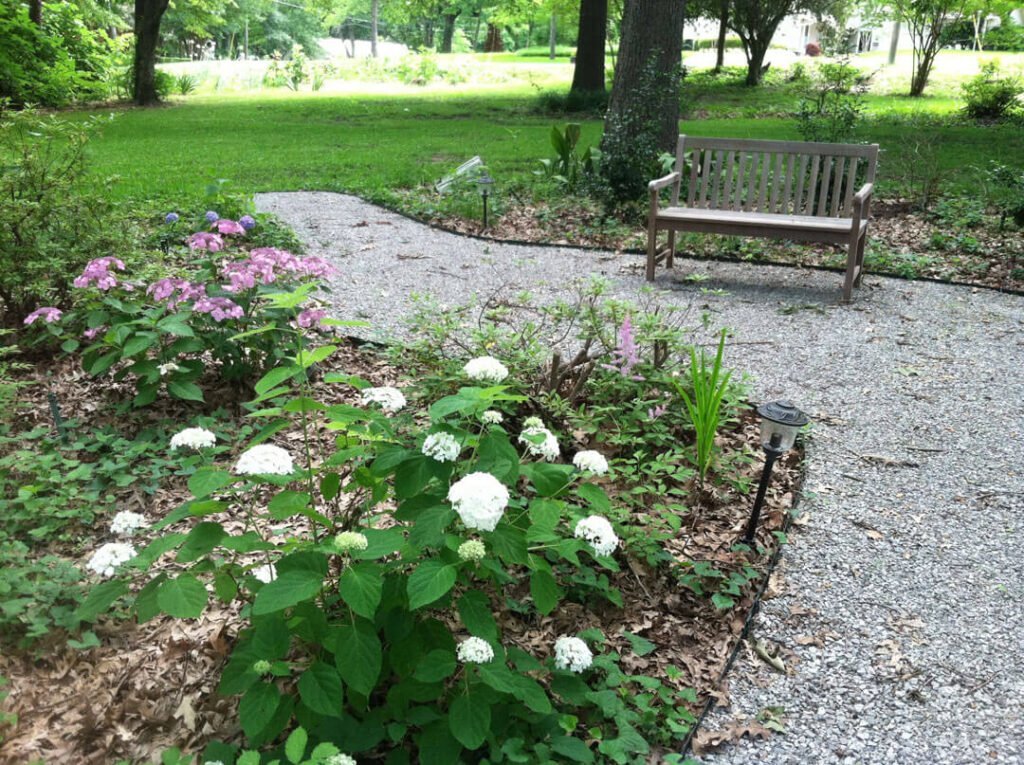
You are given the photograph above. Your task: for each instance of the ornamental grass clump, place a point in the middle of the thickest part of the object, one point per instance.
(370, 571)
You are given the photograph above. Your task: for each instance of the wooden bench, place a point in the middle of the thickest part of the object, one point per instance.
(770, 189)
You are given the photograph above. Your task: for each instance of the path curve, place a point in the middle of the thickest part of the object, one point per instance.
(908, 570)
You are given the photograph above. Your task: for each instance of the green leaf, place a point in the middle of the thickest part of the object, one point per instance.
(436, 665)
(412, 475)
(183, 598)
(497, 456)
(287, 503)
(430, 580)
(321, 689)
(548, 480)
(289, 588)
(185, 390)
(309, 358)
(176, 325)
(475, 612)
(207, 480)
(69, 346)
(275, 377)
(470, 721)
(380, 542)
(544, 591)
(530, 692)
(595, 496)
(361, 586)
(257, 708)
(358, 655)
(509, 543)
(295, 746)
(545, 513)
(99, 599)
(641, 646)
(146, 606)
(201, 540)
(138, 344)
(722, 602)
(572, 748)
(224, 586)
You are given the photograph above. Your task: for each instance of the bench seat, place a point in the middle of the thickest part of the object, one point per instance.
(761, 222)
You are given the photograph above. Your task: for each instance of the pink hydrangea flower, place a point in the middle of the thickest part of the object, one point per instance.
(310, 317)
(219, 308)
(98, 270)
(49, 315)
(228, 226)
(166, 288)
(314, 266)
(201, 240)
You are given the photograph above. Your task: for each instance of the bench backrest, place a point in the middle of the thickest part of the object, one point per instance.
(790, 177)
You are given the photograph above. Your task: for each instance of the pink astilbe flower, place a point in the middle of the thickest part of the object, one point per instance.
(219, 308)
(90, 334)
(201, 240)
(310, 317)
(655, 412)
(49, 315)
(627, 355)
(98, 270)
(228, 226)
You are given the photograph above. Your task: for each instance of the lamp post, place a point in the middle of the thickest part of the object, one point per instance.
(780, 422)
(485, 183)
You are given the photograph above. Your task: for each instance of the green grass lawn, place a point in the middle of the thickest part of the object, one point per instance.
(400, 137)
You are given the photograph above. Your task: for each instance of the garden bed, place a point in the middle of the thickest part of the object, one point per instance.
(151, 686)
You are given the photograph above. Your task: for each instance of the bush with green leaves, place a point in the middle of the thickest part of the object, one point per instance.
(34, 66)
(1005, 191)
(371, 564)
(164, 336)
(52, 220)
(569, 165)
(832, 103)
(992, 95)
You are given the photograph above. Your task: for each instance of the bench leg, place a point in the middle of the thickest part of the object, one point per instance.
(851, 269)
(860, 260)
(652, 249)
(671, 256)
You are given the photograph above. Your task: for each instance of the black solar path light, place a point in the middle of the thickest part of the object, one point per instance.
(486, 185)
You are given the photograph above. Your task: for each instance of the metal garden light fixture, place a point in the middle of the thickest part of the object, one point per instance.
(486, 185)
(780, 422)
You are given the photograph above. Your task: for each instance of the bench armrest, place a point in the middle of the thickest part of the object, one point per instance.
(661, 183)
(863, 195)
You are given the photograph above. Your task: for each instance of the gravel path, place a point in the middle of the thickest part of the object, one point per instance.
(908, 571)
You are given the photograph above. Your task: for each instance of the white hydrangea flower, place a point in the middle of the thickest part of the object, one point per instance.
(492, 417)
(480, 500)
(533, 422)
(473, 550)
(442, 447)
(347, 541)
(127, 522)
(591, 461)
(166, 369)
(476, 650)
(266, 573)
(546, 449)
(108, 557)
(265, 459)
(485, 369)
(599, 533)
(572, 653)
(193, 438)
(390, 399)
(340, 759)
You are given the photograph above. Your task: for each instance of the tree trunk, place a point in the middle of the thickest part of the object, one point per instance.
(493, 43)
(374, 16)
(352, 37)
(476, 31)
(756, 51)
(449, 31)
(428, 33)
(588, 74)
(552, 35)
(148, 14)
(894, 42)
(723, 24)
(35, 12)
(652, 36)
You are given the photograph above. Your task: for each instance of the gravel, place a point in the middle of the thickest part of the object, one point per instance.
(907, 567)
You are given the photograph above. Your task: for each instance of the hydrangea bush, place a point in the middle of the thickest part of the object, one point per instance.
(370, 572)
(237, 306)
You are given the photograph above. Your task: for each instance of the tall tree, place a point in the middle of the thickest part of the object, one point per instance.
(926, 20)
(449, 30)
(374, 19)
(588, 74)
(35, 12)
(148, 14)
(723, 25)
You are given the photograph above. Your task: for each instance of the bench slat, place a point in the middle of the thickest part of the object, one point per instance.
(713, 199)
(736, 201)
(691, 191)
(738, 220)
(705, 173)
(766, 169)
(812, 185)
(724, 201)
(851, 185)
(837, 186)
(773, 205)
(799, 196)
(823, 186)
(789, 147)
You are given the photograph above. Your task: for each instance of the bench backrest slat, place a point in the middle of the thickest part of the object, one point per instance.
(787, 177)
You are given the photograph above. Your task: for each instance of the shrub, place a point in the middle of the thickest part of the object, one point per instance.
(34, 68)
(831, 103)
(562, 102)
(1005, 191)
(1007, 36)
(990, 95)
(52, 221)
(569, 165)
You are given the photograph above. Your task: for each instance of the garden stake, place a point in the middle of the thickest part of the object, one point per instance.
(772, 452)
